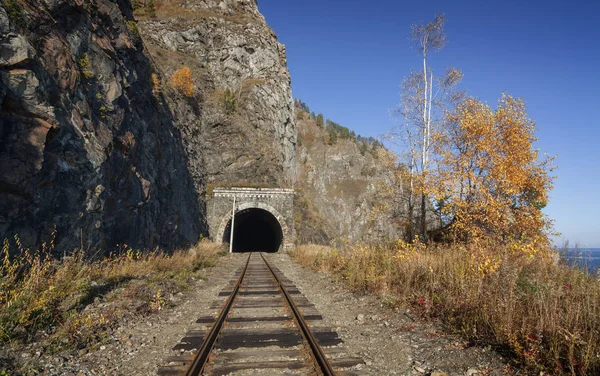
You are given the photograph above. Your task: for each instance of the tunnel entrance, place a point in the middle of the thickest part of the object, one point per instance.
(255, 230)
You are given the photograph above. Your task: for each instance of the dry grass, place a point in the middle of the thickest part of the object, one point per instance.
(167, 9)
(171, 60)
(49, 300)
(546, 316)
(232, 103)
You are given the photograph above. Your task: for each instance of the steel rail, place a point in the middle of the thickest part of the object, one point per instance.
(316, 350)
(203, 353)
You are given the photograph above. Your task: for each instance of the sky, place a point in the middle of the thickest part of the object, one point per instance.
(348, 57)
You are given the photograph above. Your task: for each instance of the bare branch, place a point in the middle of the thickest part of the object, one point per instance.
(430, 37)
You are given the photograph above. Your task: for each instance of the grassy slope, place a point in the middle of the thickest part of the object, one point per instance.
(73, 303)
(547, 316)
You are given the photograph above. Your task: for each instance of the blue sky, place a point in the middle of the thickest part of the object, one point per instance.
(347, 58)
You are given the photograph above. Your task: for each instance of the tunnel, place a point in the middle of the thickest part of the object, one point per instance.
(255, 230)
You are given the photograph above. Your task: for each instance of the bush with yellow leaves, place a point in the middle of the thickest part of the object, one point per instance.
(182, 81)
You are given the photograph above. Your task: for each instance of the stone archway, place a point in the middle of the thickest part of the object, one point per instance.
(271, 207)
(256, 206)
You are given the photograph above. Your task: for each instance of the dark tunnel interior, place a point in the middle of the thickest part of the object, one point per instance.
(255, 230)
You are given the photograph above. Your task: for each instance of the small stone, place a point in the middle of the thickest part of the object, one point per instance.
(419, 369)
(472, 371)
(360, 317)
(102, 347)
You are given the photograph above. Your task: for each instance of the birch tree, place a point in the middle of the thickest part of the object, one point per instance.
(424, 99)
(496, 180)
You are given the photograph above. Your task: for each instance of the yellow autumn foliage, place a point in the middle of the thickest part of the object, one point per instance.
(490, 178)
(182, 81)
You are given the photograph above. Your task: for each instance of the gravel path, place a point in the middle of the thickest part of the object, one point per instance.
(391, 342)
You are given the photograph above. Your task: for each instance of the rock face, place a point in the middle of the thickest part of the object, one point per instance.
(97, 139)
(239, 123)
(338, 188)
(85, 144)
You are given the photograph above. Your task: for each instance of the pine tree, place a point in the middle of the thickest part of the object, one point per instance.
(320, 121)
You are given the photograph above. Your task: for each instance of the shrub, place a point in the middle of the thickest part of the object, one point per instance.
(182, 81)
(229, 102)
(155, 83)
(84, 65)
(151, 9)
(133, 28)
(136, 4)
(15, 13)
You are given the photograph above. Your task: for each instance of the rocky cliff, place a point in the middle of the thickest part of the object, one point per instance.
(85, 144)
(238, 123)
(339, 182)
(96, 138)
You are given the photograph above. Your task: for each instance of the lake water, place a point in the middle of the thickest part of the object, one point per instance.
(586, 257)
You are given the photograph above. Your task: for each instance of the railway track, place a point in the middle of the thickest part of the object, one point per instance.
(264, 326)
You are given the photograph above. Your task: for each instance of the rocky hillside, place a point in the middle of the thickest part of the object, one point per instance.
(99, 140)
(117, 117)
(340, 178)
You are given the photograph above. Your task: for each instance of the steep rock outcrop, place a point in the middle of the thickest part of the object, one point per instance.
(85, 144)
(239, 123)
(338, 187)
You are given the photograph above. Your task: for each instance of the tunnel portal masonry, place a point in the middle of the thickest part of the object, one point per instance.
(264, 218)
